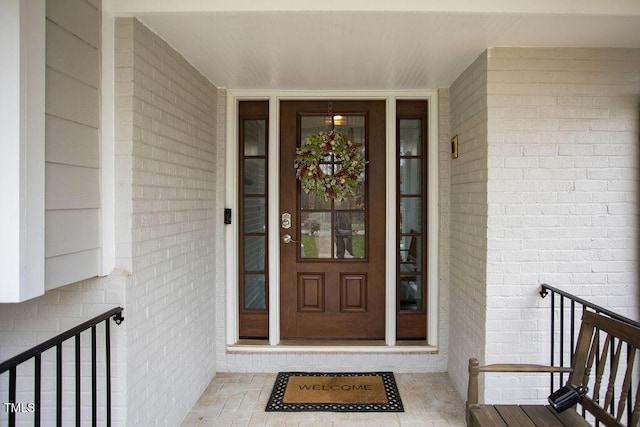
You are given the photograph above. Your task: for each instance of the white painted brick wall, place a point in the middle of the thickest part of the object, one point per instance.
(166, 132)
(333, 361)
(221, 260)
(551, 171)
(562, 195)
(444, 202)
(468, 221)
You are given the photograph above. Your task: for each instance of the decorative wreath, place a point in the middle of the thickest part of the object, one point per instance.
(309, 171)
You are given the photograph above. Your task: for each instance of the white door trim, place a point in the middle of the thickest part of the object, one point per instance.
(231, 201)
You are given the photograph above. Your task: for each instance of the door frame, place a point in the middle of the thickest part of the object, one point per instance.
(233, 97)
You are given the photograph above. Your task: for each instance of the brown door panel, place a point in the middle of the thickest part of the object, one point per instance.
(327, 297)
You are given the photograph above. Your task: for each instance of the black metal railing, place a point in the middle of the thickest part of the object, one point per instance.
(565, 324)
(33, 406)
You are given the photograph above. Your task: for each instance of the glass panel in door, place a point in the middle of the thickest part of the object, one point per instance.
(332, 229)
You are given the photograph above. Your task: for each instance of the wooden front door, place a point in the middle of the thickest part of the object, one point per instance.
(332, 273)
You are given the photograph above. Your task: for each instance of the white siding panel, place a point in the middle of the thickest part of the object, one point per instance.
(78, 17)
(70, 268)
(72, 100)
(69, 231)
(72, 56)
(72, 187)
(72, 143)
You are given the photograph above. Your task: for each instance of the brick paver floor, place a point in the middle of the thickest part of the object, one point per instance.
(239, 400)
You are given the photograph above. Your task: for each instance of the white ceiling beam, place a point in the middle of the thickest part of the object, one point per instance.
(519, 7)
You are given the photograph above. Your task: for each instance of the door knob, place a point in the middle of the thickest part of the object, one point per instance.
(286, 238)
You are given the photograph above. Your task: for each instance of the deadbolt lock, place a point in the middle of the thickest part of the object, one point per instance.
(286, 220)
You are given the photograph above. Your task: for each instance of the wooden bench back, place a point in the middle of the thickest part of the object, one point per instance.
(606, 360)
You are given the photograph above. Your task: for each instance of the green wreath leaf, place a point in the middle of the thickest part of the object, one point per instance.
(342, 183)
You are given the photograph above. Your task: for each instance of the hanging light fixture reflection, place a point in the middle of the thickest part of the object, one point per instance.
(332, 120)
(338, 120)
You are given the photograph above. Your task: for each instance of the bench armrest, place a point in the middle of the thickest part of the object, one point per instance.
(475, 369)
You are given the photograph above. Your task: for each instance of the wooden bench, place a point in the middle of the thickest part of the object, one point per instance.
(605, 348)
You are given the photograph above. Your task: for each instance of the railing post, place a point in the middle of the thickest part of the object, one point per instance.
(38, 390)
(107, 350)
(59, 385)
(12, 395)
(78, 383)
(561, 338)
(94, 377)
(553, 337)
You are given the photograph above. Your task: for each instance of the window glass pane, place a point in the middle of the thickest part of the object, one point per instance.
(254, 137)
(410, 293)
(410, 215)
(353, 127)
(410, 254)
(410, 137)
(254, 253)
(255, 297)
(349, 230)
(315, 235)
(410, 176)
(313, 202)
(355, 202)
(310, 125)
(254, 176)
(327, 168)
(254, 215)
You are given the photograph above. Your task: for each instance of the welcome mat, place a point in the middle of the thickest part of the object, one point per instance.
(335, 392)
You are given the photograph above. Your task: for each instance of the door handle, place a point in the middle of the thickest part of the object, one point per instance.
(286, 238)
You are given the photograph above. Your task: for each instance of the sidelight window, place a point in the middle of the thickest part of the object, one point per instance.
(254, 192)
(411, 125)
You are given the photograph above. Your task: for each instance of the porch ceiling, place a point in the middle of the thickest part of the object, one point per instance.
(367, 45)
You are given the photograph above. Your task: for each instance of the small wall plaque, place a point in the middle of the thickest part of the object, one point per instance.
(454, 147)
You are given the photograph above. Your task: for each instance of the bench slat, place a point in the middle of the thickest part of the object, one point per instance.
(542, 416)
(486, 415)
(514, 416)
(570, 417)
(524, 416)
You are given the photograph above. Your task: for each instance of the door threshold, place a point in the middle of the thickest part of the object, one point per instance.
(340, 346)
(333, 343)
